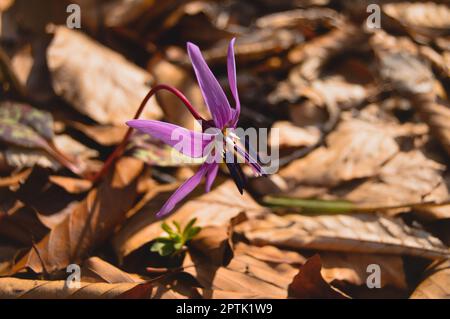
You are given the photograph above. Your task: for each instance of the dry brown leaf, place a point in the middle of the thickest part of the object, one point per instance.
(436, 285)
(409, 177)
(71, 185)
(362, 233)
(95, 269)
(333, 91)
(270, 254)
(290, 135)
(15, 179)
(245, 274)
(89, 224)
(97, 81)
(13, 288)
(356, 149)
(309, 283)
(216, 208)
(256, 45)
(428, 17)
(352, 268)
(215, 244)
(8, 254)
(103, 134)
(19, 223)
(408, 74)
(315, 53)
(300, 17)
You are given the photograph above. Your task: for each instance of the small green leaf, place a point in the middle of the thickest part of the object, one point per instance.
(177, 225)
(167, 229)
(157, 246)
(192, 233)
(175, 242)
(189, 226)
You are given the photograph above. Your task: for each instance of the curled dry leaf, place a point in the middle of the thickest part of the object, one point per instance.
(362, 233)
(89, 224)
(97, 81)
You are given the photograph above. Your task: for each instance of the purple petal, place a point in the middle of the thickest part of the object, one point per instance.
(184, 190)
(231, 69)
(211, 175)
(188, 142)
(215, 98)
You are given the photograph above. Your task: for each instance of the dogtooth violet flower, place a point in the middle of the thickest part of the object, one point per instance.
(204, 144)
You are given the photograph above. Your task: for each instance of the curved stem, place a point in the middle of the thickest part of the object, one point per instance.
(121, 147)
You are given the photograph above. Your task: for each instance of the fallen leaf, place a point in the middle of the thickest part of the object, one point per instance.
(356, 149)
(13, 288)
(427, 17)
(96, 81)
(436, 284)
(309, 283)
(352, 268)
(95, 269)
(89, 224)
(244, 274)
(406, 178)
(15, 179)
(72, 185)
(362, 233)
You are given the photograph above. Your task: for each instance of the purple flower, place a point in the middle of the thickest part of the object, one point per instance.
(199, 144)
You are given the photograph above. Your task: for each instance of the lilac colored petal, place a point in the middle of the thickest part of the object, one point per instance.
(215, 98)
(188, 142)
(231, 69)
(211, 175)
(184, 190)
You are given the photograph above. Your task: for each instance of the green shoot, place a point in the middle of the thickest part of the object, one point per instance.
(175, 242)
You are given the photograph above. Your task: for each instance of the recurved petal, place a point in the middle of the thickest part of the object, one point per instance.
(188, 142)
(211, 175)
(212, 92)
(186, 188)
(231, 69)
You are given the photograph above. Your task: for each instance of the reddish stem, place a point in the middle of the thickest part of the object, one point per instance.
(121, 147)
